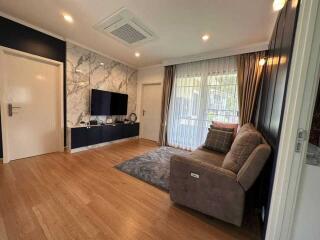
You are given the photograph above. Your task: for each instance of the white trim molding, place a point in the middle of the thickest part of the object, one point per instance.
(151, 66)
(218, 54)
(303, 74)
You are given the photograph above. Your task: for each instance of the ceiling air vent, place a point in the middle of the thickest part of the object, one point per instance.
(125, 27)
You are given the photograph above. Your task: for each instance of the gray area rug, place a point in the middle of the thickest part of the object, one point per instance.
(152, 167)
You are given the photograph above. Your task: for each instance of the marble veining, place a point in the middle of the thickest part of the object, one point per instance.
(88, 70)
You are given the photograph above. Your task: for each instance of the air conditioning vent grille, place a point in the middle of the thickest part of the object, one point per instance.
(128, 34)
(125, 27)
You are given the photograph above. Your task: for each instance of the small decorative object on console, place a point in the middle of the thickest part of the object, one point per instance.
(126, 121)
(93, 122)
(133, 117)
(109, 120)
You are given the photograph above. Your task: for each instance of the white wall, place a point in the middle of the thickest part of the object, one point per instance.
(149, 75)
(306, 222)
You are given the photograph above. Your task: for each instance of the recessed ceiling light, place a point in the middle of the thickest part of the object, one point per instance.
(205, 37)
(68, 18)
(262, 61)
(278, 4)
(137, 54)
(102, 64)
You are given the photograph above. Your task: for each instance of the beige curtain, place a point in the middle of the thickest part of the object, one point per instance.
(249, 78)
(166, 95)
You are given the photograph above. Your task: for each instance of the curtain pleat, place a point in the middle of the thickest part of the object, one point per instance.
(167, 89)
(249, 78)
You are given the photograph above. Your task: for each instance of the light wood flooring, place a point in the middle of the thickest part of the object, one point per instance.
(82, 196)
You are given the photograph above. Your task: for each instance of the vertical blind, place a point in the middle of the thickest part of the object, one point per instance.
(203, 92)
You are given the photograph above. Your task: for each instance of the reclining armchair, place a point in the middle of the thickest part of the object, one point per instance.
(204, 181)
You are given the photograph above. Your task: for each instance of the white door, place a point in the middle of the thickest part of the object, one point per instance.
(31, 89)
(306, 223)
(151, 111)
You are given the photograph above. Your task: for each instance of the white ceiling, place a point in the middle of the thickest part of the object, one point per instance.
(178, 24)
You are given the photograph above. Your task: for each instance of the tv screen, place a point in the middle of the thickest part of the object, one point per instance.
(104, 103)
(119, 104)
(100, 103)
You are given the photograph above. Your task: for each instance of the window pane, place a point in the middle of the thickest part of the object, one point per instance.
(222, 104)
(202, 92)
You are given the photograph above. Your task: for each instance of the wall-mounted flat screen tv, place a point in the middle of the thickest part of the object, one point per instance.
(104, 103)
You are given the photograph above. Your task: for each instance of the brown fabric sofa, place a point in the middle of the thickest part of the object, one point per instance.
(202, 180)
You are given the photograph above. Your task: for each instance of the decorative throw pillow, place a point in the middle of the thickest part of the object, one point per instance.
(222, 128)
(233, 126)
(218, 140)
(242, 147)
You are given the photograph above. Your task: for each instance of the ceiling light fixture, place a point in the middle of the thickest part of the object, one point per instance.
(262, 61)
(137, 54)
(205, 37)
(102, 64)
(278, 4)
(68, 18)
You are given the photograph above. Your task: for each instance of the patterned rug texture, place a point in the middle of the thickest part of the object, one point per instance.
(152, 167)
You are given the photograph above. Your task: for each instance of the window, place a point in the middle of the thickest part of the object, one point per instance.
(203, 92)
(222, 102)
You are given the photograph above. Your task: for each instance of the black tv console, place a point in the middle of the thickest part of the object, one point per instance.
(80, 137)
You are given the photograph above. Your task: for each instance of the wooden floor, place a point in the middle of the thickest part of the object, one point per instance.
(82, 196)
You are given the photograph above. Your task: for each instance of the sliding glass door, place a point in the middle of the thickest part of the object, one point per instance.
(203, 92)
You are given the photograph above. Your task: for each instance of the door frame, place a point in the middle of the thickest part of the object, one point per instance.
(141, 104)
(3, 87)
(305, 65)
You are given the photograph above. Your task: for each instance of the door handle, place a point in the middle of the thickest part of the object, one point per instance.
(143, 112)
(10, 109)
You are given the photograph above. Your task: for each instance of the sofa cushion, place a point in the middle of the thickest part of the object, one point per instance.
(248, 127)
(208, 156)
(222, 128)
(218, 140)
(232, 126)
(242, 147)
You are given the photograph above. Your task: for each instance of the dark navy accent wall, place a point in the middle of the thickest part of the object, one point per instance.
(19, 37)
(273, 92)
